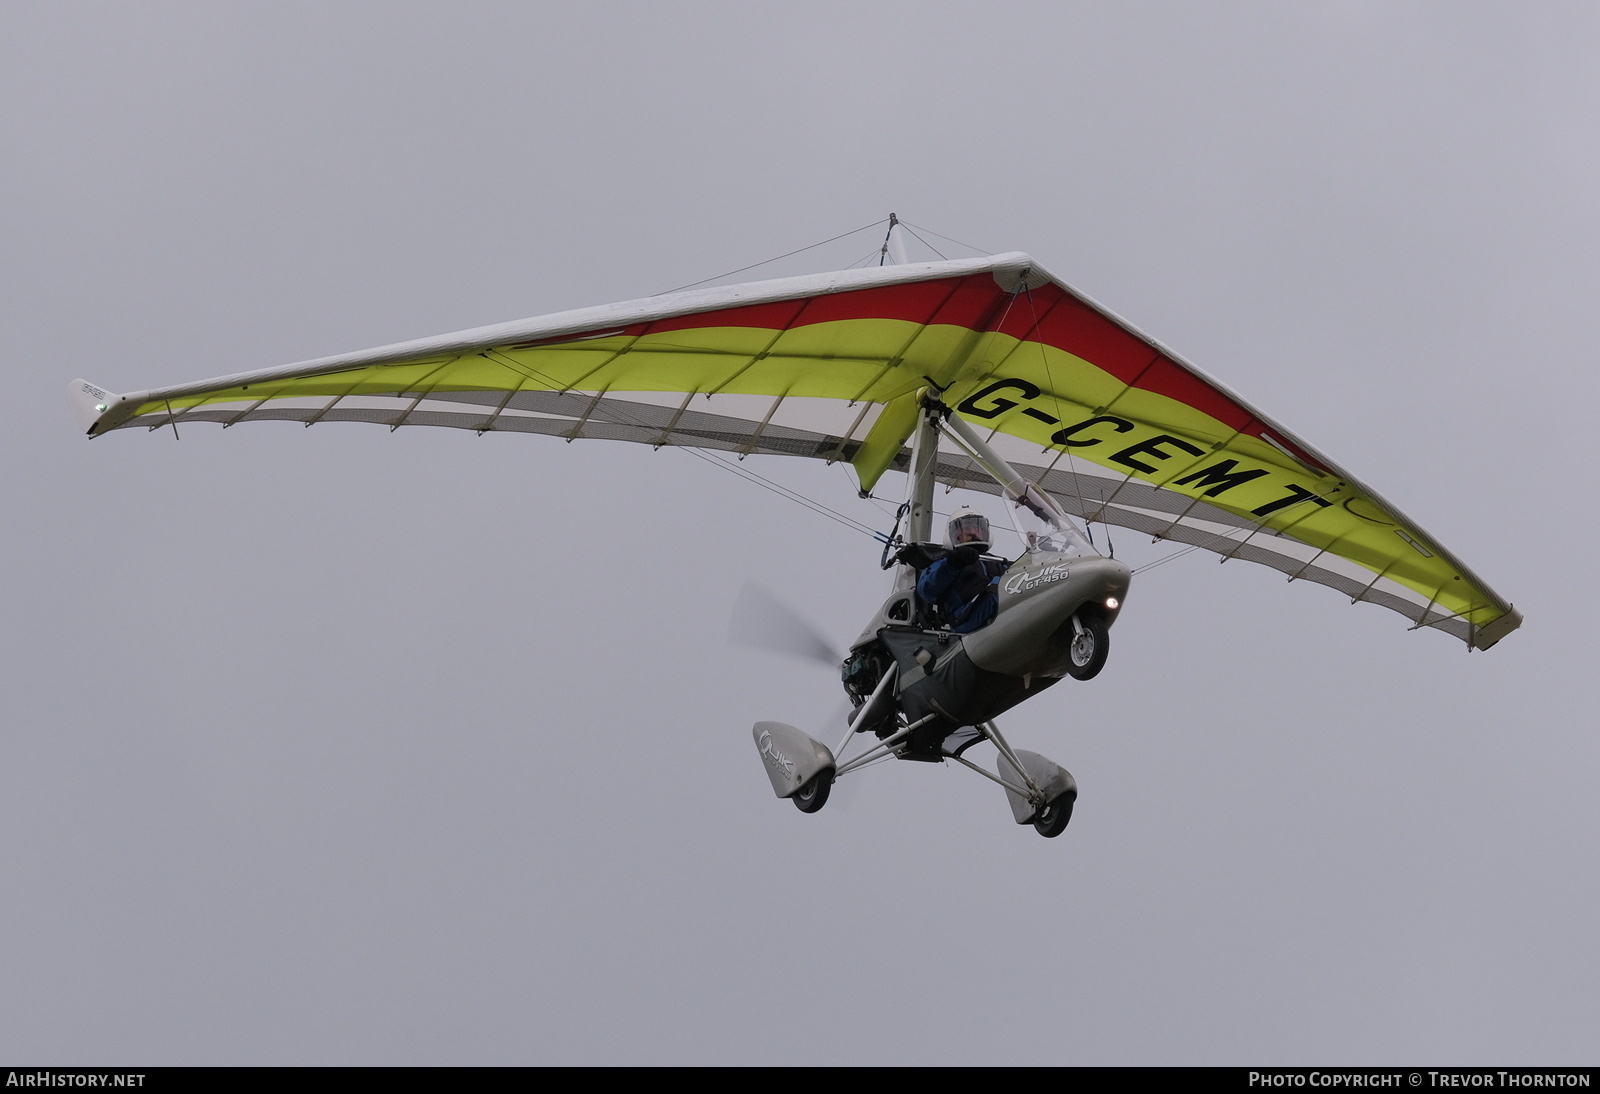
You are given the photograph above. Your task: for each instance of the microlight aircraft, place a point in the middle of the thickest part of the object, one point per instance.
(987, 374)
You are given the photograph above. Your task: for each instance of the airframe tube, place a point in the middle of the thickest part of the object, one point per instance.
(924, 457)
(1017, 488)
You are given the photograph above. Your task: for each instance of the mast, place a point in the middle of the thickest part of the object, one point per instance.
(920, 479)
(894, 246)
(924, 458)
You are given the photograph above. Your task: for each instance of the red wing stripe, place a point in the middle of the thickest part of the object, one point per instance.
(1056, 319)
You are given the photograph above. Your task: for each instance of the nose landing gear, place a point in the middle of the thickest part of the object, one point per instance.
(1088, 646)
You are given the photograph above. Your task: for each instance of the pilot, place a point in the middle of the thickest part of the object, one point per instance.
(961, 584)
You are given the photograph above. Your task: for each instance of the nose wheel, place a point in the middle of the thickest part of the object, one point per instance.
(1087, 647)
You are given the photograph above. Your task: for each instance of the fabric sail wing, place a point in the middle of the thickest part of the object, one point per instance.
(829, 366)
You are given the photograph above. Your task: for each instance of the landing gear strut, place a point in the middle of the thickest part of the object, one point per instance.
(1040, 791)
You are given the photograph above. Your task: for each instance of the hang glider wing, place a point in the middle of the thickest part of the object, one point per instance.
(829, 367)
(1123, 431)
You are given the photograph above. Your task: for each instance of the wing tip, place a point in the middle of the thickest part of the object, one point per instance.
(89, 402)
(99, 411)
(1491, 632)
(1016, 271)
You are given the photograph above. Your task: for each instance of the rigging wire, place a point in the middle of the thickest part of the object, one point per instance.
(864, 259)
(880, 504)
(782, 491)
(622, 415)
(946, 238)
(924, 242)
(1161, 561)
(766, 261)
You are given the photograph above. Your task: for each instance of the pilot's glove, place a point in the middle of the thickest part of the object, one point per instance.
(963, 556)
(919, 556)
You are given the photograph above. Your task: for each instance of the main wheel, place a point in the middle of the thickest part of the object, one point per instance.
(814, 794)
(1087, 652)
(1052, 817)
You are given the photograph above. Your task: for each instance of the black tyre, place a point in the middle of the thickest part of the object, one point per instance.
(1052, 817)
(814, 794)
(1087, 652)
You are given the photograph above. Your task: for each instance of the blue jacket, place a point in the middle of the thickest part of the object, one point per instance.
(966, 597)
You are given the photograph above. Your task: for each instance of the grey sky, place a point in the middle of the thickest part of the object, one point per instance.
(343, 746)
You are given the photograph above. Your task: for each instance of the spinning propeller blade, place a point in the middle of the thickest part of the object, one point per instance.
(761, 619)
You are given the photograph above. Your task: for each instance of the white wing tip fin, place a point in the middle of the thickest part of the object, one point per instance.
(90, 403)
(1491, 633)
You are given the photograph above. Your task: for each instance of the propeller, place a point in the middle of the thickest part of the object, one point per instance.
(761, 619)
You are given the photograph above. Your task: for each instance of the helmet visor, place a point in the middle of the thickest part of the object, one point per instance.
(970, 528)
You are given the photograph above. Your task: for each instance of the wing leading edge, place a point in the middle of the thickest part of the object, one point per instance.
(1115, 425)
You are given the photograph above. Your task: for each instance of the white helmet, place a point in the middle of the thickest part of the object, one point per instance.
(968, 528)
